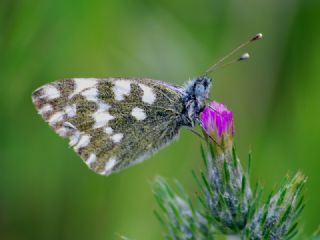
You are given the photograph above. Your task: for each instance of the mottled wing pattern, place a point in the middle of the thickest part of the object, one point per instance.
(112, 123)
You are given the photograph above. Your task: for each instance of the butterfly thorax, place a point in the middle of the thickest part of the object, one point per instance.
(197, 92)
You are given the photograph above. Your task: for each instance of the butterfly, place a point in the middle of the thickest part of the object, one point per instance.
(113, 123)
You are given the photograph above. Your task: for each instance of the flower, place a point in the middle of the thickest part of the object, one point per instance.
(227, 205)
(217, 122)
(227, 190)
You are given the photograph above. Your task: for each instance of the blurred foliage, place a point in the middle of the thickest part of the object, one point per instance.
(46, 192)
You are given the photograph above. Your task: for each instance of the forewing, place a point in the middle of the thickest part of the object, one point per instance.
(112, 123)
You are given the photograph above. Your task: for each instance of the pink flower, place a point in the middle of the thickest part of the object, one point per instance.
(217, 122)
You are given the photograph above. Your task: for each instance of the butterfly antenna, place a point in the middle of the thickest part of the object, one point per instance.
(244, 56)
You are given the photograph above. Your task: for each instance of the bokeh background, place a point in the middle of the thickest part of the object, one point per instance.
(46, 192)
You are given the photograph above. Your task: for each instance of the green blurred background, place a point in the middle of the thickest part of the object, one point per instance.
(46, 192)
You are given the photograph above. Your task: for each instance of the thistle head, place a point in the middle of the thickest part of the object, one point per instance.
(276, 219)
(178, 215)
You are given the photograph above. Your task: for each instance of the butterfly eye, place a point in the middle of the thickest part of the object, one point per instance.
(199, 90)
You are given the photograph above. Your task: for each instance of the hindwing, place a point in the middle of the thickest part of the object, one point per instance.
(112, 123)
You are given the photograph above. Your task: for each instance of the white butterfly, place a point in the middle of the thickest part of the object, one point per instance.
(113, 123)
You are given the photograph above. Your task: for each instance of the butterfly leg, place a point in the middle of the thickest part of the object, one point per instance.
(196, 133)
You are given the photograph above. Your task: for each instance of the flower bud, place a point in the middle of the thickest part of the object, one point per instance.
(228, 193)
(217, 122)
(178, 216)
(276, 219)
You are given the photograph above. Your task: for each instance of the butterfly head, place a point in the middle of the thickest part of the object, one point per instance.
(202, 87)
(199, 88)
(197, 92)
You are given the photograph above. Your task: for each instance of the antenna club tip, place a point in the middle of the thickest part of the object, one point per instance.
(258, 36)
(244, 56)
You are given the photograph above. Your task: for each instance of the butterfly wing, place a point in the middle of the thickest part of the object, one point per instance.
(112, 123)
